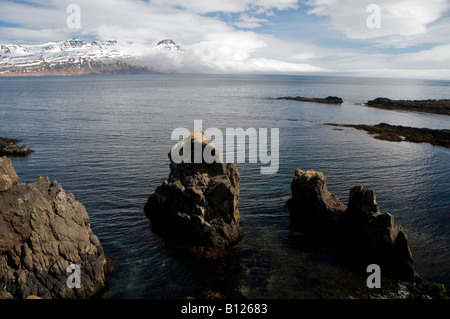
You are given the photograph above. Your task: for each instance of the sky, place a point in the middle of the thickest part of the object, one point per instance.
(375, 38)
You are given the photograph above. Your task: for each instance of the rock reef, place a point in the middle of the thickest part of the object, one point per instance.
(9, 147)
(197, 206)
(327, 100)
(43, 230)
(428, 106)
(359, 232)
(398, 133)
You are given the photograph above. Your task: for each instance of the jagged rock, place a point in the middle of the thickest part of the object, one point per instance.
(198, 204)
(9, 147)
(43, 230)
(372, 236)
(8, 176)
(312, 205)
(361, 234)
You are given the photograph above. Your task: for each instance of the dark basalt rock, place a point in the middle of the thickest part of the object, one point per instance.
(428, 106)
(372, 237)
(43, 230)
(197, 206)
(398, 133)
(9, 147)
(327, 100)
(312, 205)
(360, 233)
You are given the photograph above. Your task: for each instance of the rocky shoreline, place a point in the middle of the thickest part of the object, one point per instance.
(44, 235)
(9, 147)
(44, 230)
(327, 100)
(359, 232)
(428, 106)
(398, 133)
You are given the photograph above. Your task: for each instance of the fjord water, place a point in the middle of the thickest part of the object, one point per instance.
(106, 139)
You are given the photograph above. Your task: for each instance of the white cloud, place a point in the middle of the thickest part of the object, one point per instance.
(231, 6)
(213, 43)
(428, 63)
(264, 65)
(41, 17)
(30, 36)
(434, 58)
(122, 20)
(405, 18)
(248, 22)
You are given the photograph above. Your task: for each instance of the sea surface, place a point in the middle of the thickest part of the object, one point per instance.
(106, 139)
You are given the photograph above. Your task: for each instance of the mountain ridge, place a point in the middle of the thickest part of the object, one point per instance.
(74, 57)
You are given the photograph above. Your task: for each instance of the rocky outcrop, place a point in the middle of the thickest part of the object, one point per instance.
(312, 205)
(43, 230)
(198, 204)
(372, 237)
(428, 106)
(8, 176)
(327, 100)
(360, 233)
(398, 133)
(9, 147)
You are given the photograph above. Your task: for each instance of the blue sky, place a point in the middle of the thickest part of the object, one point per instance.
(255, 36)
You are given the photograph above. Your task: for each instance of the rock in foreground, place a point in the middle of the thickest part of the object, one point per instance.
(312, 205)
(43, 230)
(197, 205)
(360, 233)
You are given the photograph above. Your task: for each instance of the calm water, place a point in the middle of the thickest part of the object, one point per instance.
(106, 139)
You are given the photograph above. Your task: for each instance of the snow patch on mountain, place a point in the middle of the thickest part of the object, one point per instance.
(168, 44)
(75, 56)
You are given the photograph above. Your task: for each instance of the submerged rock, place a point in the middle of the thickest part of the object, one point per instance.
(198, 204)
(43, 230)
(361, 234)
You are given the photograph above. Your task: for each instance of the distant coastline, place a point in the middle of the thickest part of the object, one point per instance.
(83, 69)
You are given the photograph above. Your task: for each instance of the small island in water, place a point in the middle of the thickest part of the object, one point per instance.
(327, 100)
(398, 133)
(428, 106)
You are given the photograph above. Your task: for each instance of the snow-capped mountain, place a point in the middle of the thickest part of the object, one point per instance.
(168, 44)
(73, 56)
